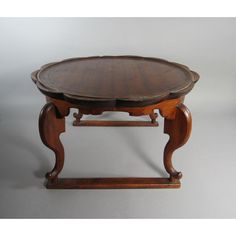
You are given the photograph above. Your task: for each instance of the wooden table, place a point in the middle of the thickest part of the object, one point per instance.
(132, 84)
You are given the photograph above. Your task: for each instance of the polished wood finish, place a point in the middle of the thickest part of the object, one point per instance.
(166, 107)
(114, 183)
(130, 84)
(114, 81)
(51, 125)
(179, 130)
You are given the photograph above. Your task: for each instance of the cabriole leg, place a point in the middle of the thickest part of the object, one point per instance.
(51, 125)
(179, 129)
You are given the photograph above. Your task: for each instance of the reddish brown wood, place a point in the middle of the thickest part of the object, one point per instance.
(115, 123)
(115, 81)
(130, 84)
(166, 108)
(179, 130)
(77, 117)
(112, 183)
(177, 125)
(153, 117)
(51, 125)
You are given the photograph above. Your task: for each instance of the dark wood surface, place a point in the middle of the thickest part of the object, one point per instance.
(114, 80)
(130, 84)
(179, 130)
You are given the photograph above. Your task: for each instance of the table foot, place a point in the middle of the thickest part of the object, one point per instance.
(51, 125)
(111, 183)
(179, 129)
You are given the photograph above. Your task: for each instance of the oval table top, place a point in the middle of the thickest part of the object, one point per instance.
(114, 80)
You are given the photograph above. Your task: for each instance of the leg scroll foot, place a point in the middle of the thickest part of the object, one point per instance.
(51, 125)
(179, 130)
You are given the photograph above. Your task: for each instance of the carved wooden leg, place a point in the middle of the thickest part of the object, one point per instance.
(179, 130)
(51, 125)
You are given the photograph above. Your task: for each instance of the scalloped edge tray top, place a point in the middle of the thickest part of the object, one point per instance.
(84, 93)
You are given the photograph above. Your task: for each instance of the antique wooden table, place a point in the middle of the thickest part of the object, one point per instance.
(132, 84)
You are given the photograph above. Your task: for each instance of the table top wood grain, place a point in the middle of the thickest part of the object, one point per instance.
(114, 80)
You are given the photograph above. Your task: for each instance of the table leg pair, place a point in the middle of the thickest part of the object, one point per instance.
(177, 125)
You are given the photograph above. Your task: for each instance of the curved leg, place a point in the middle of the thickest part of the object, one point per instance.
(51, 125)
(179, 130)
